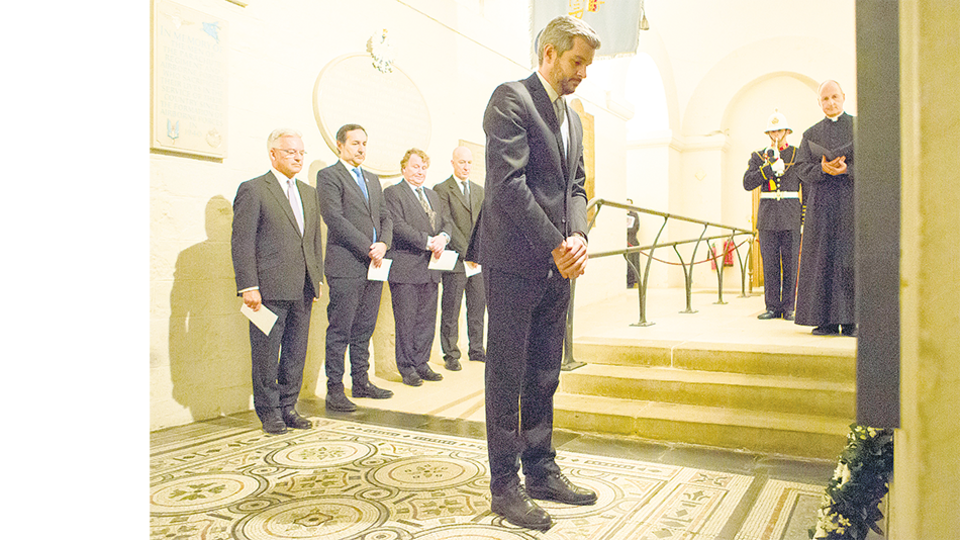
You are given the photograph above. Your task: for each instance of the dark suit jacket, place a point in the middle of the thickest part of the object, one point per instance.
(411, 228)
(351, 220)
(463, 214)
(535, 197)
(268, 250)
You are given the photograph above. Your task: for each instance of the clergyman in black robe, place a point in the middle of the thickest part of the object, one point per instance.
(825, 292)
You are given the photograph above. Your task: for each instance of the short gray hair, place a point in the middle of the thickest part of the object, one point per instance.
(560, 33)
(281, 132)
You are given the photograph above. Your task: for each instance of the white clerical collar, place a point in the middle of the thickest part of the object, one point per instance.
(551, 93)
(835, 118)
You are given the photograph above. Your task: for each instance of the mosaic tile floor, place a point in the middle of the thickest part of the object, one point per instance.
(347, 480)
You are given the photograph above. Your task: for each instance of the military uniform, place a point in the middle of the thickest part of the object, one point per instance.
(778, 223)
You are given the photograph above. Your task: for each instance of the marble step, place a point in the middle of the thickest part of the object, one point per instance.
(808, 362)
(711, 388)
(791, 434)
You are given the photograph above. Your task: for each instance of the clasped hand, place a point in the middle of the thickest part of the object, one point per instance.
(571, 257)
(437, 244)
(835, 166)
(377, 251)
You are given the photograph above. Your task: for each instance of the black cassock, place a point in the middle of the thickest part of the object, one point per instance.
(825, 291)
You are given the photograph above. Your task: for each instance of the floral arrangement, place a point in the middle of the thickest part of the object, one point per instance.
(851, 503)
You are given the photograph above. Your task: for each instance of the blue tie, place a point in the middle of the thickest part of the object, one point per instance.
(363, 185)
(358, 176)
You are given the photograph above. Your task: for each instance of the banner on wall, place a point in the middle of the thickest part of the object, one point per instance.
(617, 22)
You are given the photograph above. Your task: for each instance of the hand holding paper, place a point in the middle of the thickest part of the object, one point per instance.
(446, 261)
(379, 273)
(262, 318)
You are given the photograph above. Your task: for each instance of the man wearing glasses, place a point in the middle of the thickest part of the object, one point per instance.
(279, 266)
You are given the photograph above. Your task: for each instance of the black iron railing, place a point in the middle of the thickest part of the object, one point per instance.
(729, 233)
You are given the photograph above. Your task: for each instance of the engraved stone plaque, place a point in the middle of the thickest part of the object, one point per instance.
(189, 91)
(389, 106)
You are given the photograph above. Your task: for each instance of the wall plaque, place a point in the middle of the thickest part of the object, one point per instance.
(389, 106)
(189, 81)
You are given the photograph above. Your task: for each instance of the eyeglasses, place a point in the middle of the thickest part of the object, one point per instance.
(291, 152)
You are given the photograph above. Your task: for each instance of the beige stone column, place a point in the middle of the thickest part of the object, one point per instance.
(925, 496)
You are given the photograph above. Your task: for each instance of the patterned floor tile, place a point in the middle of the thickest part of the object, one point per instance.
(343, 480)
(783, 511)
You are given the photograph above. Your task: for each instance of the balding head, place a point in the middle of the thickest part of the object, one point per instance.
(831, 98)
(462, 162)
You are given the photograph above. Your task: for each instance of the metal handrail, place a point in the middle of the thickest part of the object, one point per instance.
(733, 232)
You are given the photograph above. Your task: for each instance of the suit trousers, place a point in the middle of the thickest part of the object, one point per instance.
(779, 249)
(454, 286)
(527, 322)
(415, 313)
(352, 318)
(277, 384)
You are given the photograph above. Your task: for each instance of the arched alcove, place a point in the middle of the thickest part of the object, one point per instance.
(744, 120)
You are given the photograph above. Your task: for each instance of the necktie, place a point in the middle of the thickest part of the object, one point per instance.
(466, 193)
(295, 202)
(426, 208)
(560, 107)
(358, 176)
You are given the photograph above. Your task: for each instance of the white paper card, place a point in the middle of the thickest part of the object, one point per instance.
(263, 318)
(447, 260)
(471, 271)
(379, 274)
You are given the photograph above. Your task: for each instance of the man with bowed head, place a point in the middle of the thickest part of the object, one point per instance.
(531, 240)
(278, 265)
(420, 231)
(462, 200)
(825, 291)
(359, 232)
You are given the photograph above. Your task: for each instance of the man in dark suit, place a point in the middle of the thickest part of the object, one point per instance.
(420, 231)
(462, 200)
(278, 264)
(359, 232)
(530, 240)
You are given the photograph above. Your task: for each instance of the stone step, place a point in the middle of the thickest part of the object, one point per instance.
(716, 389)
(790, 434)
(819, 363)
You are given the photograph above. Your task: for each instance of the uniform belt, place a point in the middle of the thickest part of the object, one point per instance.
(778, 195)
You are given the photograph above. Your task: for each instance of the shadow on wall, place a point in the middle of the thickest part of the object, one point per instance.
(209, 338)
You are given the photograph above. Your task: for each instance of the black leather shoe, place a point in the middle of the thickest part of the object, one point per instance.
(293, 419)
(274, 426)
(849, 330)
(411, 379)
(516, 507)
(370, 391)
(337, 401)
(826, 330)
(452, 364)
(557, 487)
(478, 357)
(788, 315)
(768, 315)
(428, 374)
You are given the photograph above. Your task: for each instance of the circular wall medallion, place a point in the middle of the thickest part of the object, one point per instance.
(321, 454)
(389, 106)
(426, 472)
(312, 518)
(200, 493)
